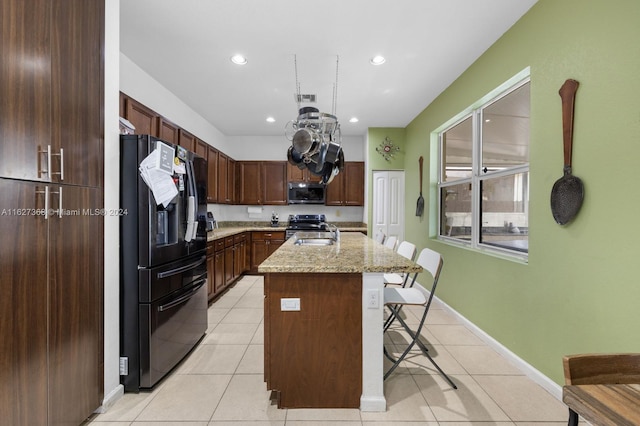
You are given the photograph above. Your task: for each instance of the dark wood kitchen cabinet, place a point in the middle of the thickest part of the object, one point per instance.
(295, 174)
(262, 182)
(274, 180)
(51, 309)
(201, 148)
(51, 110)
(215, 267)
(249, 175)
(211, 270)
(145, 120)
(231, 181)
(228, 260)
(187, 140)
(212, 182)
(218, 276)
(167, 131)
(50, 318)
(239, 255)
(347, 187)
(263, 244)
(226, 179)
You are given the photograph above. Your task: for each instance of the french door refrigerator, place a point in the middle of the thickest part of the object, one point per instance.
(163, 273)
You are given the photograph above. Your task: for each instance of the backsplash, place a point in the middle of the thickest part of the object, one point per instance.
(240, 213)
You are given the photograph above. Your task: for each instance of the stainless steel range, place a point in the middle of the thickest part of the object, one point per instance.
(306, 223)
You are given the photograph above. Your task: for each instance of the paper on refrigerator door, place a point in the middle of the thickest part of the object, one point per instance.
(153, 170)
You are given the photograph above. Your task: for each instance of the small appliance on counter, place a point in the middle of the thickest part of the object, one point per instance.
(211, 222)
(274, 219)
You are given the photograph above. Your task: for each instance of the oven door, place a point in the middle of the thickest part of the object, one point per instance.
(171, 326)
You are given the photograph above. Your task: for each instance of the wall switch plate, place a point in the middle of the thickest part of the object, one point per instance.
(373, 299)
(290, 304)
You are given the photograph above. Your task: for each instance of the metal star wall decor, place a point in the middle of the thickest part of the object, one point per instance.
(387, 149)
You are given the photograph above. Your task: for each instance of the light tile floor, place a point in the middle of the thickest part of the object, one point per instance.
(221, 382)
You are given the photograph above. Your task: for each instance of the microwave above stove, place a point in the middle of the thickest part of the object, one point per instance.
(305, 193)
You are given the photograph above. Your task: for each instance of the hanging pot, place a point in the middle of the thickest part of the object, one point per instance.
(303, 140)
(333, 150)
(295, 158)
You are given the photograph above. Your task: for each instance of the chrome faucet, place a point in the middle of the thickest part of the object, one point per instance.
(335, 235)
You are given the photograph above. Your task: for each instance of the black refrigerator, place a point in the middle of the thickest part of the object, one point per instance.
(163, 273)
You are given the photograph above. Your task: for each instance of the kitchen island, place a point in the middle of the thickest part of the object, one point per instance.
(323, 322)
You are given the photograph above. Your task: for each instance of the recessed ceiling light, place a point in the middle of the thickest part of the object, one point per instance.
(238, 59)
(271, 120)
(378, 60)
(353, 120)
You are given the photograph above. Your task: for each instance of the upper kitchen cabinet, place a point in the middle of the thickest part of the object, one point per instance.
(231, 181)
(212, 183)
(262, 182)
(201, 148)
(347, 187)
(274, 179)
(51, 85)
(226, 179)
(168, 131)
(249, 174)
(295, 174)
(143, 119)
(187, 140)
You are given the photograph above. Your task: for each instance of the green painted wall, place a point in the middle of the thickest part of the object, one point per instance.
(580, 291)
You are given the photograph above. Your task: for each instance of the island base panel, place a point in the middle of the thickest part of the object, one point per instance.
(313, 357)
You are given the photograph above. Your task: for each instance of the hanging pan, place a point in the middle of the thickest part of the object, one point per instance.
(568, 191)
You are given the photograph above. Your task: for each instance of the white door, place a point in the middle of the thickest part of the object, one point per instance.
(388, 203)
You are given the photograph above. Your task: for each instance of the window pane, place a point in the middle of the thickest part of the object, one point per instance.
(457, 149)
(505, 207)
(505, 131)
(456, 211)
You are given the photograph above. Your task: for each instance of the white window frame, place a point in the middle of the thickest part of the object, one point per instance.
(475, 112)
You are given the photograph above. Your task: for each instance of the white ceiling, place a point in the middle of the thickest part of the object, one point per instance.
(186, 45)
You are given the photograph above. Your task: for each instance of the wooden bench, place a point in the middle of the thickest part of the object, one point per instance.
(602, 388)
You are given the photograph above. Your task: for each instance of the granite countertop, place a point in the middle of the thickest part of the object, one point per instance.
(228, 231)
(354, 253)
(233, 228)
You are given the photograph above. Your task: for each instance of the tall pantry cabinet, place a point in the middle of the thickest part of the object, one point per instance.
(51, 222)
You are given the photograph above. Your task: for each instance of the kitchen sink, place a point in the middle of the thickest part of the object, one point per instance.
(314, 241)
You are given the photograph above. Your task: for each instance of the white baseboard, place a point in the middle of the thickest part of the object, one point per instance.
(549, 385)
(110, 399)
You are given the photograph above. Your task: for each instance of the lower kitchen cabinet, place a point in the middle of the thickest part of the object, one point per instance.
(218, 276)
(226, 262)
(211, 271)
(239, 254)
(51, 307)
(263, 244)
(215, 268)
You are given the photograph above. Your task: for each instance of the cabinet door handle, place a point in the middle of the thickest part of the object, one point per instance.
(61, 155)
(59, 192)
(46, 201)
(41, 172)
(49, 171)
